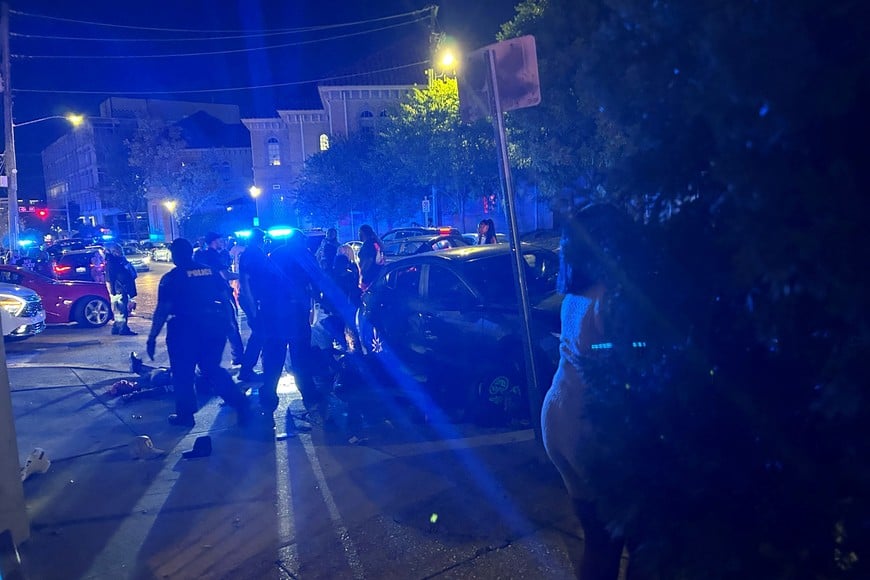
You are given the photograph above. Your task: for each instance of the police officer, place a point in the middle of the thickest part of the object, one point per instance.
(215, 256)
(295, 278)
(192, 301)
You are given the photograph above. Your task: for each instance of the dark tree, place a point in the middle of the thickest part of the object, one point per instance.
(735, 443)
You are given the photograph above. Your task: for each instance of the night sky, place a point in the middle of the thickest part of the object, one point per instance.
(66, 80)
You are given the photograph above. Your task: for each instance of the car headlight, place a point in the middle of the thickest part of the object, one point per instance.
(146, 259)
(12, 304)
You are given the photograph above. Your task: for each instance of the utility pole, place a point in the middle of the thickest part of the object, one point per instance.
(13, 515)
(9, 156)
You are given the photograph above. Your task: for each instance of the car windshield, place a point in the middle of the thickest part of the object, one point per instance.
(494, 277)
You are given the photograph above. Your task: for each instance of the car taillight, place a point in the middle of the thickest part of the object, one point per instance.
(58, 269)
(444, 231)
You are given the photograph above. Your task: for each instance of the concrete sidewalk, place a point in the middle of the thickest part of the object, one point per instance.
(443, 501)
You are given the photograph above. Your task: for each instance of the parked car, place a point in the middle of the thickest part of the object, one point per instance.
(161, 253)
(21, 312)
(86, 303)
(413, 231)
(88, 265)
(549, 239)
(141, 260)
(471, 238)
(450, 321)
(418, 244)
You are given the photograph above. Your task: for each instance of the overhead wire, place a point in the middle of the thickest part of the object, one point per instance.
(192, 30)
(211, 53)
(235, 35)
(228, 89)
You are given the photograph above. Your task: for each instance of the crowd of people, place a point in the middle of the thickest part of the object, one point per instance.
(276, 284)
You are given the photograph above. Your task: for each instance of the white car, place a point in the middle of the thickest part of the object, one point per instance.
(21, 311)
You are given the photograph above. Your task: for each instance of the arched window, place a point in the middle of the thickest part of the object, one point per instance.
(324, 142)
(366, 120)
(274, 151)
(384, 113)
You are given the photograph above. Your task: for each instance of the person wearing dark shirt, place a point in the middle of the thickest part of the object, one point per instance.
(218, 260)
(294, 276)
(192, 302)
(253, 283)
(328, 248)
(370, 257)
(122, 286)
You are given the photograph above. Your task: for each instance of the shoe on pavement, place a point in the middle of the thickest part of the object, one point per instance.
(128, 332)
(37, 462)
(135, 363)
(181, 420)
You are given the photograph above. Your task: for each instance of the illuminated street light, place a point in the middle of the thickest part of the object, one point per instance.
(170, 206)
(12, 167)
(255, 194)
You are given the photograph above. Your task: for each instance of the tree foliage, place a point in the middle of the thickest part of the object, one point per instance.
(162, 165)
(733, 445)
(424, 146)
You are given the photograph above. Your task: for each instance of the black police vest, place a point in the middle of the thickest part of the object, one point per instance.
(200, 297)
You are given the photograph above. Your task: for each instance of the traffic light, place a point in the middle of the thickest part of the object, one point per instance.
(42, 213)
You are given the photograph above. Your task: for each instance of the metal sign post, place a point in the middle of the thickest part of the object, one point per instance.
(503, 77)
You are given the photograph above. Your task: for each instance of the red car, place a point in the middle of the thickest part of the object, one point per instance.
(87, 303)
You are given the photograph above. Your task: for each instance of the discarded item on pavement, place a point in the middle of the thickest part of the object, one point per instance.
(201, 448)
(122, 387)
(37, 462)
(143, 448)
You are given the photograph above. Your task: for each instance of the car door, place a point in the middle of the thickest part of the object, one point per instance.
(451, 316)
(392, 309)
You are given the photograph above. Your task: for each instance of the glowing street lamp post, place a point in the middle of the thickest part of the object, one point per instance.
(255, 194)
(170, 207)
(12, 168)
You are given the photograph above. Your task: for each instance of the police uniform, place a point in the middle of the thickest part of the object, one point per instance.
(294, 274)
(219, 262)
(193, 301)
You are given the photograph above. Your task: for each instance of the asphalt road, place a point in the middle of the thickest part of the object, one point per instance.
(146, 287)
(402, 500)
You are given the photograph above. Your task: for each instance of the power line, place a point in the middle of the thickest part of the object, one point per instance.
(263, 34)
(229, 89)
(211, 53)
(192, 30)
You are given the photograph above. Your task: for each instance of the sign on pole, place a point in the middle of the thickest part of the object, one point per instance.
(503, 77)
(516, 69)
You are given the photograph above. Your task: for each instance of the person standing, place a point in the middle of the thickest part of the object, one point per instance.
(486, 232)
(294, 276)
(253, 283)
(214, 256)
(122, 286)
(591, 264)
(370, 257)
(192, 302)
(327, 250)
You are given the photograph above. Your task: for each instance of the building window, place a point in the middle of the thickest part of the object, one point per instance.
(324, 142)
(274, 151)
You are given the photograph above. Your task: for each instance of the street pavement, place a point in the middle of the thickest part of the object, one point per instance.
(407, 501)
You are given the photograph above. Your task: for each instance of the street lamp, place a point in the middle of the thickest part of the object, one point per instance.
(255, 194)
(170, 206)
(12, 166)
